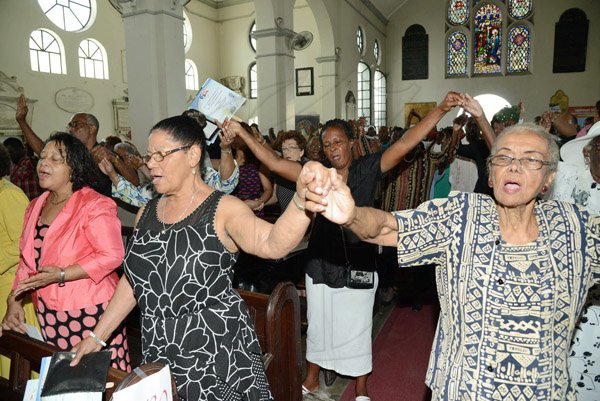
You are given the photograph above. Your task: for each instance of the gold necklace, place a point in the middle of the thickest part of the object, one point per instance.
(165, 228)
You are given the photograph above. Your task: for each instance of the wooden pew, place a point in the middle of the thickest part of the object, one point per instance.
(26, 354)
(276, 320)
(277, 323)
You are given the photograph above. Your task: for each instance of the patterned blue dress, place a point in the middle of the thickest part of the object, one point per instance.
(191, 317)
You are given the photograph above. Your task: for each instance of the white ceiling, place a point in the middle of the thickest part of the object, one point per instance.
(387, 8)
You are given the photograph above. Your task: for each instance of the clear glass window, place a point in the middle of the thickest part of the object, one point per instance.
(360, 40)
(46, 52)
(380, 94)
(251, 37)
(70, 15)
(187, 33)
(363, 101)
(377, 51)
(253, 81)
(92, 60)
(191, 75)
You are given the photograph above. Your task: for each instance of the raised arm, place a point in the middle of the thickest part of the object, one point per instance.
(394, 154)
(128, 172)
(287, 169)
(226, 165)
(473, 107)
(30, 137)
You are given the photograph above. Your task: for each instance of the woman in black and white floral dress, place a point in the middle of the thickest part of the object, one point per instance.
(179, 267)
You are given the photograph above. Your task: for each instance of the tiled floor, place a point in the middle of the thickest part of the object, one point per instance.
(335, 391)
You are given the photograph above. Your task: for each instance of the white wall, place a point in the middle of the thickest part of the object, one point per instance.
(18, 18)
(534, 89)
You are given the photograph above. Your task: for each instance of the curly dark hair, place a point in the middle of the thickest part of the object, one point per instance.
(185, 130)
(4, 161)
(84, 170)
(338, 123)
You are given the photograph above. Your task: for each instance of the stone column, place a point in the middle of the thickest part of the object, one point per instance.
(155, 63)
(275, 64)
(328, 80)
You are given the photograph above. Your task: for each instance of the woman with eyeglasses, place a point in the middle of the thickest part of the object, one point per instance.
(179, 269)
(512, 273)
(69, 250)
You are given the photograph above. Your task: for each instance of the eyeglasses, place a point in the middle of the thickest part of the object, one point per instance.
(160, 156)
(527, 163)
(76, 124)
(290, 149)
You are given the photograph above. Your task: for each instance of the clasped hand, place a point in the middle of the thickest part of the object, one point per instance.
(326, 192)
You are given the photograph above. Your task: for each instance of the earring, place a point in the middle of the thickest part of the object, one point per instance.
(193, 171)
(490, 183)
(586, 160)
(544, 189)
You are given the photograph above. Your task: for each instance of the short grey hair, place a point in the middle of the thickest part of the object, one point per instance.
(129, 148)
(551, 141)
(92, 120)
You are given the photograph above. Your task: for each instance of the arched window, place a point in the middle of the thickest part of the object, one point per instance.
(363, 103)
(253, 81)
(518, 58)
(457, 54)
(92, 60)
(380, 95)
(360, 40)
(187, 33)
(191, 75)
(46, 52)
(70, 15)
(377, 52)
(485, 33)
(251, 37)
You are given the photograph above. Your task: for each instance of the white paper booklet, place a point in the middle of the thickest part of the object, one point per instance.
(216, 101)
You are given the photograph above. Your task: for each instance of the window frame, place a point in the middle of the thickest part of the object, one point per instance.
(363, 103)
(61, 54)
(93, 63)
(380, 98)
(253, 83)
(189, 64)
(62, 13)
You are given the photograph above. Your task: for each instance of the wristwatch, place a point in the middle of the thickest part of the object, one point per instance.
(61, 283)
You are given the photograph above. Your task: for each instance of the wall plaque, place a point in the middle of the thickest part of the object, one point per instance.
(74, 100)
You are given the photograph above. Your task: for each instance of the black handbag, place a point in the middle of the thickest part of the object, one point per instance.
(356, 277)
(88, 376)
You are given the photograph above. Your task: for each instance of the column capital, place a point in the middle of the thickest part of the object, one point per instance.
(273, 32)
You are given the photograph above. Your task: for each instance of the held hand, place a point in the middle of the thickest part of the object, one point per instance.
(451, 100)
(340, 207)
(312, 185)
(231, 127)
(226, 138)
(22, 109)
(15, 317)
(100, 152)
(84, 347)
(472, 106)
(45, 275)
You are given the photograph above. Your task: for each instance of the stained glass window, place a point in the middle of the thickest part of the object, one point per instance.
(457, 50)
(519, 9)
(92, 60)
(519, 49)
(487, 40)
(458, 11)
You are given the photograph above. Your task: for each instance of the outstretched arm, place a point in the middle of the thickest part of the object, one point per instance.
(30, 137)
(394, 154)
(287, 169)
(370, 225)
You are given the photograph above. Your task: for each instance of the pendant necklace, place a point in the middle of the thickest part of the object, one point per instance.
(165, 228)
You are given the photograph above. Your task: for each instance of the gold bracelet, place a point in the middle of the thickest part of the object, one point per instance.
(300, 206)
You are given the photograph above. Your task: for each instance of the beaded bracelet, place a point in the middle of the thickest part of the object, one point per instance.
(97, 339)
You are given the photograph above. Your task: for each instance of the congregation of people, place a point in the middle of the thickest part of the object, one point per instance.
(515, 256)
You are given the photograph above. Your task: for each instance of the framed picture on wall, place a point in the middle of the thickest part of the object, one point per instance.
(305, 82)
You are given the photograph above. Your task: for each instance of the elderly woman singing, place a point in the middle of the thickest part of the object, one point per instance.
(512, 274)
